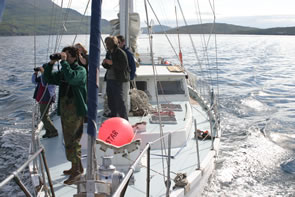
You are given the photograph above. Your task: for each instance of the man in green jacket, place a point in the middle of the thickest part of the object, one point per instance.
(72, 107)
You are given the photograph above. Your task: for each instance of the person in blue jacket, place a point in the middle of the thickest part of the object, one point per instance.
(45, 95)
(132, 68)
(131, 62)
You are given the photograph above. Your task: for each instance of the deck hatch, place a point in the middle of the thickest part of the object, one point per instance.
(171, 107)
(164, 119)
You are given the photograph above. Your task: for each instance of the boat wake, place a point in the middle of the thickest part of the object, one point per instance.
(251, 152)
(289, 166)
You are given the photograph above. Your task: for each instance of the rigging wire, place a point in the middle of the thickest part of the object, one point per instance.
(193, 45)
(155, 83)
(52, 23)
(35, 28)
(58, 30)
(204, 43)
(65, 20)
(216, 58)
(180, 53)
(205, 49)
(216, 85)
(82, 17)
(165, 33)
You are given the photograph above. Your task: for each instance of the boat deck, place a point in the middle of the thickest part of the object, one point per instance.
(184, 157)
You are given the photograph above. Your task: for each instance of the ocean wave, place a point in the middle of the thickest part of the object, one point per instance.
(4, 93)
(14, 145)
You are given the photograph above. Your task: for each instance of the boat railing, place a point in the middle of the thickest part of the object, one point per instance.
(18, 181)
(198, 85)
(197, 146)
(209, 103)
(123, 185)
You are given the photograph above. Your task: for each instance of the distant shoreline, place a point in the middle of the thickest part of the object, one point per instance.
(161, 34)
(18, 21)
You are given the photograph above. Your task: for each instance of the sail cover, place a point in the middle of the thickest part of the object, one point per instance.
(94, 59)
(134, 29)
(2, 5)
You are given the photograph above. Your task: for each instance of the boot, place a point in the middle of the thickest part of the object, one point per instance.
(68, 172)
(75, 174)
(81, 167)
(47, 134)
(53, 134)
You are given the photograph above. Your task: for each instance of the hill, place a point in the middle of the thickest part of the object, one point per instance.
(156, 29)
(19, 19)
(220, 28)
(223, 28)
(272, 31)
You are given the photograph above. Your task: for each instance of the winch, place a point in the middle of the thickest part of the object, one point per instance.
(107, 173)
(107, 180)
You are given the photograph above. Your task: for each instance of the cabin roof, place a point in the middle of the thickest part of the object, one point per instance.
(147, 71)
(161, 70)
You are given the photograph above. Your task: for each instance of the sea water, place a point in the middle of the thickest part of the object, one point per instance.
(256, 95)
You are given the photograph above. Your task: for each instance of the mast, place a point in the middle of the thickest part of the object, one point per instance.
(94, 59)
(126, 7)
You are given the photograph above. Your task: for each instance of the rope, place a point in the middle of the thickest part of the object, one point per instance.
(180, 180)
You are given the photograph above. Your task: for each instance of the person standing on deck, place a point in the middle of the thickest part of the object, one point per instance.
(131, 62)
(132, 67)
(45, 95)
(82, 56)
(83, 60)
(72, 107)
(118, 73)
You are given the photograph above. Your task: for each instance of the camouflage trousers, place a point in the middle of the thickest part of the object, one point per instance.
(48, 124)
(72, 127)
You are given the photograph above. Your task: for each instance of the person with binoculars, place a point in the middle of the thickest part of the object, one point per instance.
(72, 107)
(44, 94)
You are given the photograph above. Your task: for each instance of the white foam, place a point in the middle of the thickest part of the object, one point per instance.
(253, 103)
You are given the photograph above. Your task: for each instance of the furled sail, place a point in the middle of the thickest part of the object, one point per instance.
(134, 29)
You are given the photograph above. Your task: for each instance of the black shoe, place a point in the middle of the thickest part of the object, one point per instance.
(54, 134)
(108, 115)
(46, 135)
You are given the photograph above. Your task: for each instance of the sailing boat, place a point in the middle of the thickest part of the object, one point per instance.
(175, 142)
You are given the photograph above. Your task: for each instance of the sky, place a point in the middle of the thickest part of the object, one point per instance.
(253, 13)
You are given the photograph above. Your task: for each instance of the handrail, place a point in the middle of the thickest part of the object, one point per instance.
(20, 168)
(14, 175)
(168, 166)
(197, 145)
(147, 149)
(130, 172)
(158, 139)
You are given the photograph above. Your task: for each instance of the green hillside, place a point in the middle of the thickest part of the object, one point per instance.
(223, 28)
(19, 19)
(220, 28)
(24, 17)
(272, 31)
(155, 29)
